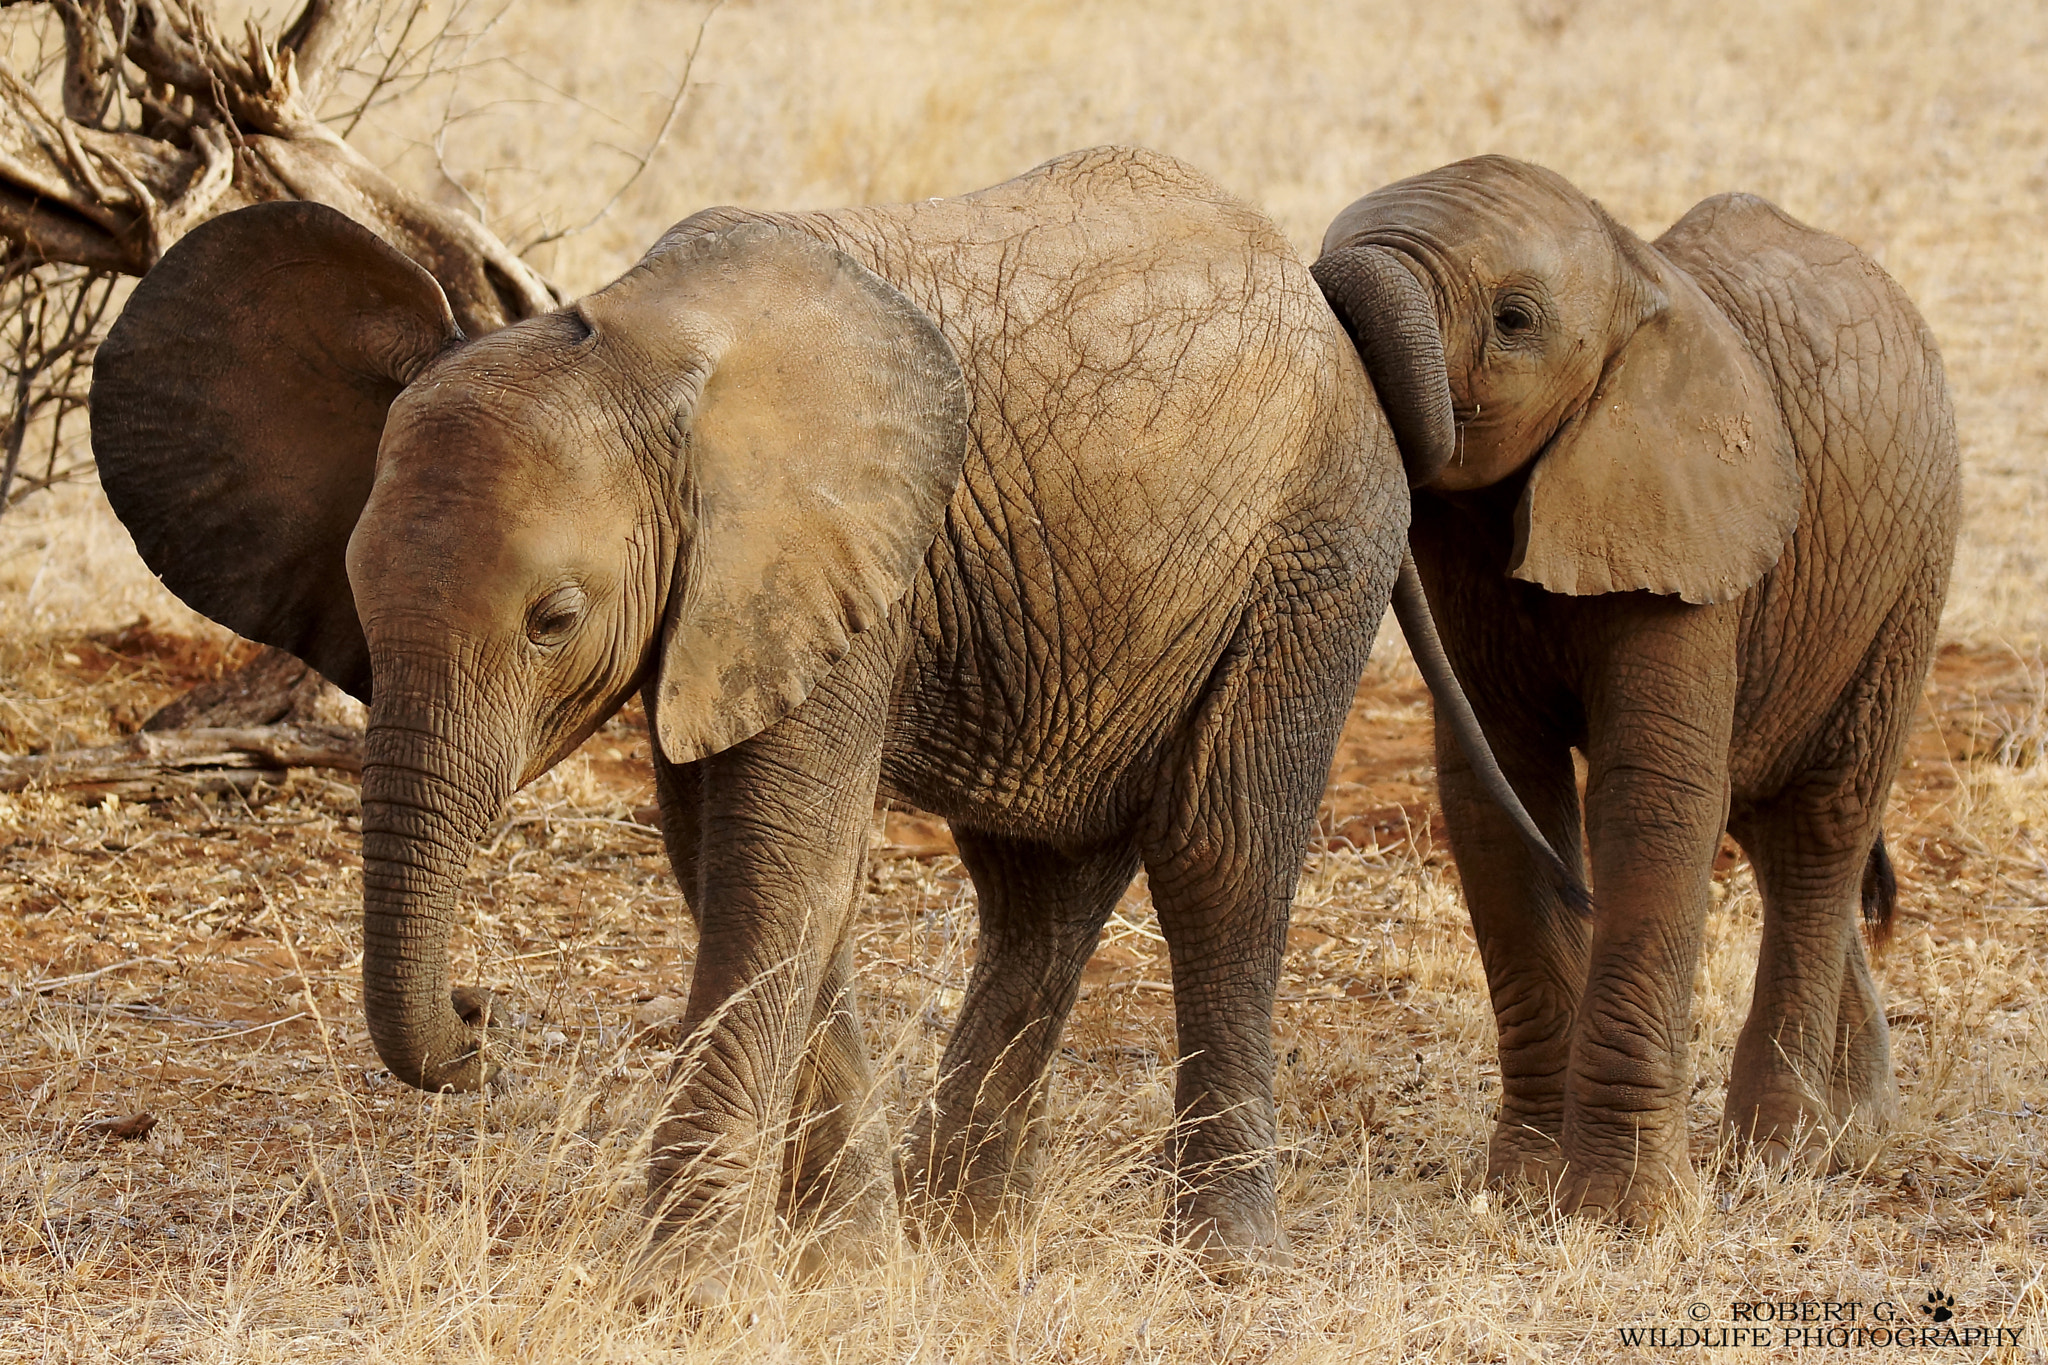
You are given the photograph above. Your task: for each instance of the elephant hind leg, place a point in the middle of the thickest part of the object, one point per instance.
(1813, 1004)
(1223, 848)
(1814, 1053)
(972, 1151)
(1862, 1095)
(1814, 1059)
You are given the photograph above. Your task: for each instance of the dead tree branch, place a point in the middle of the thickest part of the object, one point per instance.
(136, 120)
(155, 764)
(182, 125)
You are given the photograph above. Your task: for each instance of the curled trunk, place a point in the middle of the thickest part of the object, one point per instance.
(1393, 323)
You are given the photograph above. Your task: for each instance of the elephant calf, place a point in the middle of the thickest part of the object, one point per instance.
(1688, 507)
(1062, 509)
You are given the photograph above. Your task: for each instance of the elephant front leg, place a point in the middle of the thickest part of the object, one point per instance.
(768, 1110)
(973, 1148)
(1533, 944)
(1656, 801)
(836, 1182)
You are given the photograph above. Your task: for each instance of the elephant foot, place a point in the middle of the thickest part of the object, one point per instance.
(859, 1233)
(1632, 1179)
(1790, 1130)
(1862, 1121)
(1865, 1101)
(1871, 1102)
(676, 1269)
(855, 1243)
(1231, 1244)
(962, 1182)
(695, 1252)
(969, 1214)
(702, 1271)
(1523, 1154)
(1637, 1197)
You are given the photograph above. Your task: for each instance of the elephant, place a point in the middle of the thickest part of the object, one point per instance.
(1063, 510)
(1688, 508)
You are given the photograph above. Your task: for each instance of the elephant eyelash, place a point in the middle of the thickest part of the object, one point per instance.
(1517, 314)
(1513, 315)
(555, 616)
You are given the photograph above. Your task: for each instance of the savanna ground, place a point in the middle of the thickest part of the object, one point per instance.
(198, 961)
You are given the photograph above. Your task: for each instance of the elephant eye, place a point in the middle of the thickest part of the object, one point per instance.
(1512, 315)
(555, 617)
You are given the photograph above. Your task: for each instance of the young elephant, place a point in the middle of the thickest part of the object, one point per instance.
(1062, 509)
(1688, 507)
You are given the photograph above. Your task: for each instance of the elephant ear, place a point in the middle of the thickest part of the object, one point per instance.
(825, 437)
(236, 409)
(1679, 475)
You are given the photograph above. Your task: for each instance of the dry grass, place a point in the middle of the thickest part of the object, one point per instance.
(292, 1203)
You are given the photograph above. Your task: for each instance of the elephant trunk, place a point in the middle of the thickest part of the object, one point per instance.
(1393, 322)
(427, 799)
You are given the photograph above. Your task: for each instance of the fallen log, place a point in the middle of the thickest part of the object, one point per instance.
(153, 765)
(272, 689)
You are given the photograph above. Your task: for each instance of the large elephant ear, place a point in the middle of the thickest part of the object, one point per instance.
(824, 439)
(236, 409)
(1679, 475)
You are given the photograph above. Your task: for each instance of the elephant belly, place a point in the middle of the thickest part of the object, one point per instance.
(1168, 425)
(1060, 645)
(1037, 698)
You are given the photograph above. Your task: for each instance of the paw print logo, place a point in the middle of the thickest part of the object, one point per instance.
(1939, 1306)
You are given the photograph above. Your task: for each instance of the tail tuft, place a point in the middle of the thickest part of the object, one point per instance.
(1880, 895)
(1571, 890)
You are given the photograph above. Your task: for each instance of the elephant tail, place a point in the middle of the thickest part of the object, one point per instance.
(1411, 609)
(1880, 894)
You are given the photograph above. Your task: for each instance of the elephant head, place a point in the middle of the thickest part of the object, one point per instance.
(1514, 330)
(710, 474)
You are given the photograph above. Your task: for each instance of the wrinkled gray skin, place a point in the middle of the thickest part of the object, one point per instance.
(1689, 509)
(1107, 614)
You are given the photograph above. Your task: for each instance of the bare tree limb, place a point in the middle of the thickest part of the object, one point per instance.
(211, 128)
(130, 122)
(324, 39)
(150, 757)
(89, 84)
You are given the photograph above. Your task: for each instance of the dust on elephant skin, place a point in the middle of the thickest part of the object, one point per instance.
(1063, 509)
(1688, 507)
